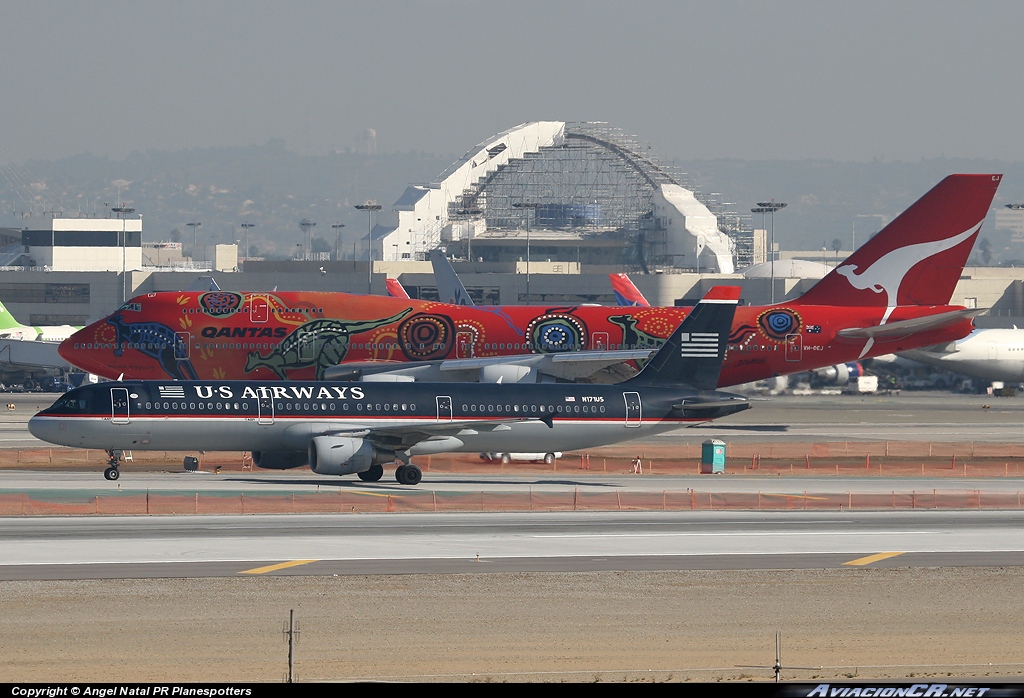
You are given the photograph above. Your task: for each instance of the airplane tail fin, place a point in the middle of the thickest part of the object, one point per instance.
(918, 258)
(626, 293)
(693, 355)
(395, 288)
(449, 285)
(7, 321)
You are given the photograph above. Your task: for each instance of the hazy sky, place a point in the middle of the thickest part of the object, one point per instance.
(696, 80)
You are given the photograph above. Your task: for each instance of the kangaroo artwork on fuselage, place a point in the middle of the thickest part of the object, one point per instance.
(892, 294)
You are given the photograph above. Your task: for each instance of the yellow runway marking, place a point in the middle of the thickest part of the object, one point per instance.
(871, 558)
(274, 568)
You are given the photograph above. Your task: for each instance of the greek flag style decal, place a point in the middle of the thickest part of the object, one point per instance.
(698, 344)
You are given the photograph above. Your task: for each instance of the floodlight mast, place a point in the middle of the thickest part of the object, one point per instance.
(770, 207)
(124, 212)
(529, 206)
(369, 207)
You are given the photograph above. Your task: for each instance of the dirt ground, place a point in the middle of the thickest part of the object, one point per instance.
(591, 627)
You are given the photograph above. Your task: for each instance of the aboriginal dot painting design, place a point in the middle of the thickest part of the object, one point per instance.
(551, 334)
(220, 302)
(779, 322)
(426, 337)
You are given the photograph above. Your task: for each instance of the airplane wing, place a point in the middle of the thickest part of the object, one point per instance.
(570, 366)
(904, 328)
(403, 438)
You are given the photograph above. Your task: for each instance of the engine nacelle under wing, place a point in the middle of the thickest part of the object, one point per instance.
(340, 455)
(279, 460)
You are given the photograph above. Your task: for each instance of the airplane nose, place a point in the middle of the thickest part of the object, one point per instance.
(47, 429)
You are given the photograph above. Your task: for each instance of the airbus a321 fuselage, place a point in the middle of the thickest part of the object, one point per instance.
(345, 427)
(891, 295)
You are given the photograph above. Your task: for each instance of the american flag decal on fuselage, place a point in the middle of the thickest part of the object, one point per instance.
(172, 391)
(698, 345)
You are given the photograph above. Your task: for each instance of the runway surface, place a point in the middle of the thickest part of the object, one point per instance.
(172, 546)
(198, 546)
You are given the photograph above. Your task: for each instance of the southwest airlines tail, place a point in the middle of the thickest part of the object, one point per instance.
(919, 257)
(693, 355)
(626, 293)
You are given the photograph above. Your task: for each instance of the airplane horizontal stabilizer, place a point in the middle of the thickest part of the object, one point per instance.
(905, 328)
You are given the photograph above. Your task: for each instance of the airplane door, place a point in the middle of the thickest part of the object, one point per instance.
(265, 410)
(119, 405)
(259, 310)
(307, 345)
(634, 411)
(444, 408)
(464, 345)
(599, 341)
(182, 346)
(794, 347)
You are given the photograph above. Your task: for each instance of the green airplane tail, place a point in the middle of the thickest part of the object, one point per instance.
(7, 321)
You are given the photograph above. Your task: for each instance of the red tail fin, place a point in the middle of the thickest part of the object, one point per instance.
(919, 257)
(625, 292)
(395, 288)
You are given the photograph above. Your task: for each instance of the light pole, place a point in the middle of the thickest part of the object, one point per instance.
(337, 240)
(123, 211)
(307, 228)
(195, 236)
(369, 207)
(529, 206)
(770, 207)
(247, 226)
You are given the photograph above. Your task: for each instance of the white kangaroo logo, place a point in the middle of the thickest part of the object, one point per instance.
(887, 272)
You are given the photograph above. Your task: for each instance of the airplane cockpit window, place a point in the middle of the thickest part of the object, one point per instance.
(71, 404)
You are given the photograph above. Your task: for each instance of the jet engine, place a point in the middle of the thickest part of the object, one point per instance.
(279, 460)
(338, 455)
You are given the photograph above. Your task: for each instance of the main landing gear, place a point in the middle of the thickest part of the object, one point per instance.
(408, 474)
(113, 463)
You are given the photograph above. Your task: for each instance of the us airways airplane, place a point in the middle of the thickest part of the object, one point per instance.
(342, 428)
(891, 295)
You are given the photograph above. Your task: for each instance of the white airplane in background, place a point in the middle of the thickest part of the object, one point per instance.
(992, 354)
(12, 329)
(29, 354)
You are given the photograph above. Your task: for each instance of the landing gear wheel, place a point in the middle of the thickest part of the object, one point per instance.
(111, 473)
(375, 473)
(505, 459)
(408, 475)
(549, 458)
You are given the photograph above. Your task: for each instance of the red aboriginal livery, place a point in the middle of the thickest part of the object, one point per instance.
(891, 295)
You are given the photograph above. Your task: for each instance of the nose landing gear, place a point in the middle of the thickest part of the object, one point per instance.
(113, 463)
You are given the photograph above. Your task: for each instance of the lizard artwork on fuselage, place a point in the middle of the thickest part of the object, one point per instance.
(296, 335)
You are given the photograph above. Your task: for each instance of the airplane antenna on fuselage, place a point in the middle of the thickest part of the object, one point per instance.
(120, 378)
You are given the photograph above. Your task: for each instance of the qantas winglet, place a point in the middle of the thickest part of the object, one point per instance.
(693, 355)
(918, 258)
(626, 292)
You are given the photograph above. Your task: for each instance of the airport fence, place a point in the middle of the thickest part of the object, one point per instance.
(845, 459)
(349, 501)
